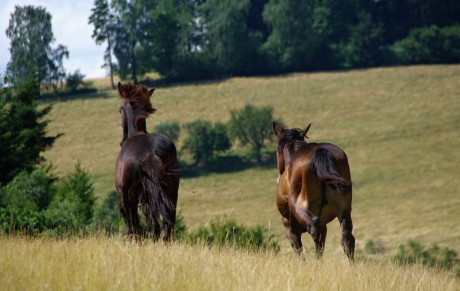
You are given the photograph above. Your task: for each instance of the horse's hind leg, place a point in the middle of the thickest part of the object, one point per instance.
(321, 240)
(169, 227)
(153, 225)
(293, 236)
(348, 240)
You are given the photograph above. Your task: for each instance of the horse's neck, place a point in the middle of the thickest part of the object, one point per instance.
(136, 126)
(290, 150)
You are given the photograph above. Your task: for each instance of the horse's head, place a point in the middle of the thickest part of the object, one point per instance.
(136, 107)
(286, 137)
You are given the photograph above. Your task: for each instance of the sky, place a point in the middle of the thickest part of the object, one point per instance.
(70, 28)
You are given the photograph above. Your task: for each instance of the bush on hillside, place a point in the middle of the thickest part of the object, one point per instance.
(252, 126)
(107, 215)
(226, 232)
(170, 128)
(205, 140)
(415, 253)
(74, 80)
(23, 200)
(72, 206)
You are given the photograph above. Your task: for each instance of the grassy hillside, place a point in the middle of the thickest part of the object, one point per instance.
(399, 126)
(98, 263)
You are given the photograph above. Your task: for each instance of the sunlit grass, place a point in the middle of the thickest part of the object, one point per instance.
(100, 263)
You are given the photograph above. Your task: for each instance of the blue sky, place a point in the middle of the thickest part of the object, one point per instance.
(70, 28)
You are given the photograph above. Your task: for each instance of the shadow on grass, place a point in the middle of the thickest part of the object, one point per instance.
(226, 164)
(86, 93)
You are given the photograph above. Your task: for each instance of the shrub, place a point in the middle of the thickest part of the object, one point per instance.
(205, 140)
(415, 253)
(252, 126)
(72, 204)
(374, 247)
(74, 80)
(171, 129)
(225, 232)
(107, 215)
(23, 200)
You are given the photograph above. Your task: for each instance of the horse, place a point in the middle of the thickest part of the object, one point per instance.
(147, 168)
(313, 188)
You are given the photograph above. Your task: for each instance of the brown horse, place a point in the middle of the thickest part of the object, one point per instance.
(313, 187)
(147, 169)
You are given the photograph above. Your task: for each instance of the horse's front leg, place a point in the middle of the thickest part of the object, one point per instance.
(294, 237)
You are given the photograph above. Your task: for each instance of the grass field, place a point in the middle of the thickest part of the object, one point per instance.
(399, 126)
(100, 263)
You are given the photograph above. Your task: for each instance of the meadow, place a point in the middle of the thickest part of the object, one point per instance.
(400, 128)
(101, 263)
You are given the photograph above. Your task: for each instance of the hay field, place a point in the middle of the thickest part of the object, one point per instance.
(100, 263)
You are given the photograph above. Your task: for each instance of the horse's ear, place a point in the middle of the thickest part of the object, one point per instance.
(150, 92)
(121, 89)
(304, 132)
(277, 129)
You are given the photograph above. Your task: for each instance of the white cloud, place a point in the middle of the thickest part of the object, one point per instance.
(70, 28)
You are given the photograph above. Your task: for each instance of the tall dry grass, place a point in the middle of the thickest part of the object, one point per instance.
(101, 263)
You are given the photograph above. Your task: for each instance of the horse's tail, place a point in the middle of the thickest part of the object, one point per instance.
(323, 163)
(152, 172)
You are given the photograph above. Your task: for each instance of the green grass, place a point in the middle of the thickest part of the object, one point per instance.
(399, 126)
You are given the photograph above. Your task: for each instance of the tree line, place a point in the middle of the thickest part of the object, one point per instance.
(198, 39)
(205, 39)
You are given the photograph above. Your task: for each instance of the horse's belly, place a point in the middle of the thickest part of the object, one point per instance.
(327, 214)
(282, 197)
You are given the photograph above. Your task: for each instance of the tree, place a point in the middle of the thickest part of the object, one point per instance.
(293, 41)
(205, 140)
(104, 31)
(22, 130)
(31, 35)
(234, 35)
(130, 18)
(169, 128)
(170, 33)
(251, 126)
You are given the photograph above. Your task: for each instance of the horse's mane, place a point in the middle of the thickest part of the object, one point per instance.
(291, 138)
(139, 98)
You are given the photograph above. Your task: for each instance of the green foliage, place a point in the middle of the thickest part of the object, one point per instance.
(23, 200)
(72, 204)
(415, 253)
(252, 126)
(205, 140)
(22, 130)
(31, 35)
(373, 247)
(429, 45)
(169, 128)
(364, 47)
(226, 232)
(234, 44)
(74, 80)
(107, 214)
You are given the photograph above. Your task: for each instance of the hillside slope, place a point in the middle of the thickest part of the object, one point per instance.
(399, 126)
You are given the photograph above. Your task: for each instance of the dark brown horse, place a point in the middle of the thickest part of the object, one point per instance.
(313, 187)
(147, 169)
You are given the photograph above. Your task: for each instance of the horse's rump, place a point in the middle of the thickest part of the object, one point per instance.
(152, 172)
(322, 163)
